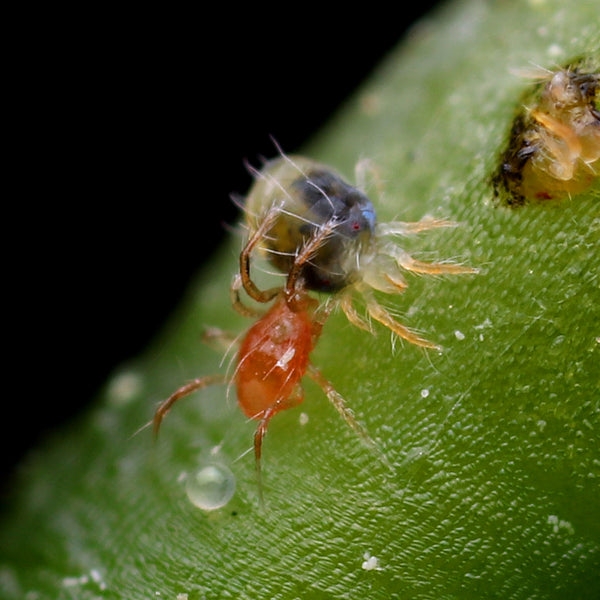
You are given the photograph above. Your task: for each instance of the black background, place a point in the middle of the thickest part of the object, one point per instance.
(132, 130)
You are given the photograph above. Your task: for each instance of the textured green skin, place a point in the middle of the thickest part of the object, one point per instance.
(496, 486)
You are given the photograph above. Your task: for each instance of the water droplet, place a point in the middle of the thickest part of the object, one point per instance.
(211, 487)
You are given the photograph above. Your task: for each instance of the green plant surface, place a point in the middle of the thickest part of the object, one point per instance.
(495, 440)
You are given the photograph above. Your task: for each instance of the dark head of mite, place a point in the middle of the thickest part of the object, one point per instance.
(321, 196)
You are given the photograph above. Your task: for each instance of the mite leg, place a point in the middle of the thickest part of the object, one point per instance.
(185, 390)
(417, 266)
(364, 167)
(410, 228)
(259, 435)
(261, 430)
(562, 142)
(234, 294)
(380, 314)
(406, 261)
(262, 296)
(351, 313)
(340, 405)
(323, 311)
(385, 318)
(305, 254)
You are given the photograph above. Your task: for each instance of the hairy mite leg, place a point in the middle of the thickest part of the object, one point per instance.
(399, 284)
(385, 318)
(182, 392)
(363, 168)
(351, 313)
(234, 294)
(409, 228)
(259, 435)
(262, 296)
(406, 261)
(305, 254)
(244, 279)
(340, 405)
(566, 150)
(261, 431)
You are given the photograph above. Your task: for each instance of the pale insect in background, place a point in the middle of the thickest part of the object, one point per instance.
(553, 149)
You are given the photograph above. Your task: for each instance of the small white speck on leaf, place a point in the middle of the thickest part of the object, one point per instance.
(370, 563)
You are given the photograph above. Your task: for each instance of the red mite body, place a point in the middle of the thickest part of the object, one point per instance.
(274, 356)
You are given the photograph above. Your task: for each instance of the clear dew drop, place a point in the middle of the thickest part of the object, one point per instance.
(211, 487)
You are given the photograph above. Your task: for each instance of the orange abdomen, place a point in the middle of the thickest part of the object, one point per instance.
(272, 359)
